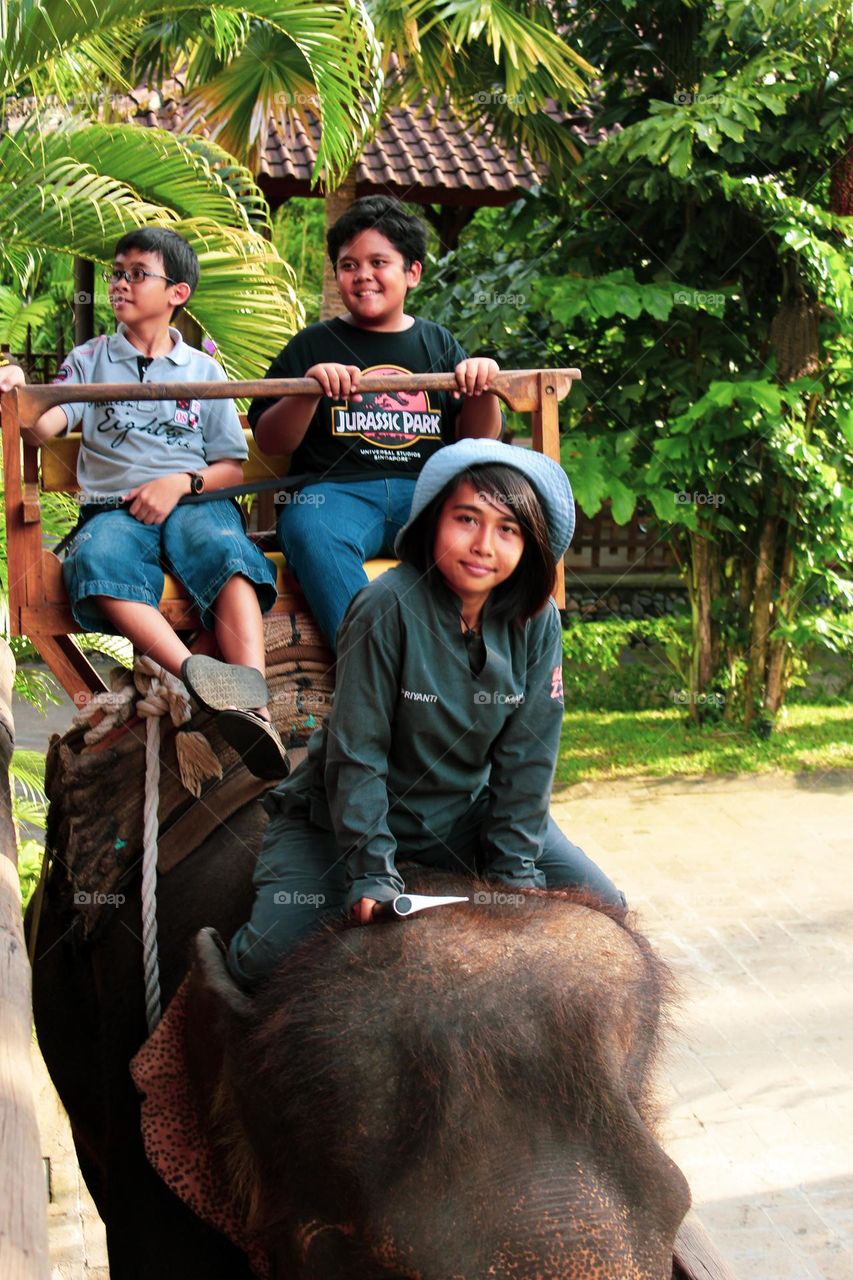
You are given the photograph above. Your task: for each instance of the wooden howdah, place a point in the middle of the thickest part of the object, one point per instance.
(38, 605)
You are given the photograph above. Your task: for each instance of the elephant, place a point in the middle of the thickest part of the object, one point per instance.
(468, 1093)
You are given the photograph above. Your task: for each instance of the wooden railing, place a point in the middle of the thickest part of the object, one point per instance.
(38, 606)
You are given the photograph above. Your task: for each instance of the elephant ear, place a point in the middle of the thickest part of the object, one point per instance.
(217, 1011)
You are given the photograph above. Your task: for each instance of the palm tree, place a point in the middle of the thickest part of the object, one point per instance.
(73, 184)
(501, 65)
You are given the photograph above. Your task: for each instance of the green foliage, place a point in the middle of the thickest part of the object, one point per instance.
(298, 235)
(29, 806)
(30, 856)
(672, 266)
(17, 315)
(71, 185)
(625, 664)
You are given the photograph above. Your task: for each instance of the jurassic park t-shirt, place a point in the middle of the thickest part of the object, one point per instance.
(388, 434)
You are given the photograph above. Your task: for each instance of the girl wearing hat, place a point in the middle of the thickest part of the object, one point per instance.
(445, 726)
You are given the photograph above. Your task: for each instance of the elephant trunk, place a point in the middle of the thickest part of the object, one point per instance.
(561, 1211)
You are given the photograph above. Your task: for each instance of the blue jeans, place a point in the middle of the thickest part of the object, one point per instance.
(202, 544)
(327, 531)
(301, 883)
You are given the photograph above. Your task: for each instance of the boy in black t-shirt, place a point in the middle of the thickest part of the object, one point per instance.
(363, 453)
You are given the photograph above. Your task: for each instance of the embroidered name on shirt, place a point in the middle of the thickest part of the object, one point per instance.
(414, 696)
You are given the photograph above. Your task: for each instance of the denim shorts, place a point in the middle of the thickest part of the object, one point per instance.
(202, 544)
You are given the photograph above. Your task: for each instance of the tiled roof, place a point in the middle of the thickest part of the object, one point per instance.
(422, 155)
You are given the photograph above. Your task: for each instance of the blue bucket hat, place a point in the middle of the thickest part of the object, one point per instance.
(546, 476)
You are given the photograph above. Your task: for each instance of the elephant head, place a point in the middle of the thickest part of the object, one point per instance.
(466, 1094)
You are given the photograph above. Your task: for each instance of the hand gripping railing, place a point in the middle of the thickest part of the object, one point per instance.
(36, 599)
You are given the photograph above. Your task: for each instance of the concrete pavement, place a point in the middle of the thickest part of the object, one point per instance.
(745, 887)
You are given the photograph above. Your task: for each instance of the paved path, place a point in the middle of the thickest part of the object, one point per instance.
(744, 885)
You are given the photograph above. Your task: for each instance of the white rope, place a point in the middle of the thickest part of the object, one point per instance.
(150, 826)
(160, 693)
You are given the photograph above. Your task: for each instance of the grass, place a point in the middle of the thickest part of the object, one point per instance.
(631, 744)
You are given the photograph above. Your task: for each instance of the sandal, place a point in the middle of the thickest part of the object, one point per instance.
(257, 742)
(218, 686)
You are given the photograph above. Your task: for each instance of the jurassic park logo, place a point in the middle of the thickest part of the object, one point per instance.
(391, 419)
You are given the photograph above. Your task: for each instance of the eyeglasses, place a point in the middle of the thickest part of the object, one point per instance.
(135, 275)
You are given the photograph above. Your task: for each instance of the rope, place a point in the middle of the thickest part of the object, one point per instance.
(150, 692)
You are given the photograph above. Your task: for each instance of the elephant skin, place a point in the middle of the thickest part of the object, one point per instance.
(466, 1094)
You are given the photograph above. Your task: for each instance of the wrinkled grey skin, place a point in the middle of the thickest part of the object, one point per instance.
(462, 1095)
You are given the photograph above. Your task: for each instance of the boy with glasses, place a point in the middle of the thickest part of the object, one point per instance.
(137, 460)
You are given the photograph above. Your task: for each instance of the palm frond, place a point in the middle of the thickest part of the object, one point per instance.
(50, 200)
(246, 299)
(118, 648)
(335, 37)
(16, 316)
(27, 768)
(529, 59)
(175, 175)
(268, 78)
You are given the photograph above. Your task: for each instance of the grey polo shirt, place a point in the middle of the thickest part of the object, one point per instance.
(128, 442)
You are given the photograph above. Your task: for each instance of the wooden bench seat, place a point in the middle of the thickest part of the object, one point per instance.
(38, 605)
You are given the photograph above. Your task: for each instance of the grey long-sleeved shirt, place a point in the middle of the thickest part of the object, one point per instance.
(413, 737)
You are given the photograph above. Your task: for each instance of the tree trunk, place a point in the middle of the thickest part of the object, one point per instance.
(23, 1205)
(336, 203)
(777, 664)
(84, 301)
(762, 596)
(701, 600)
